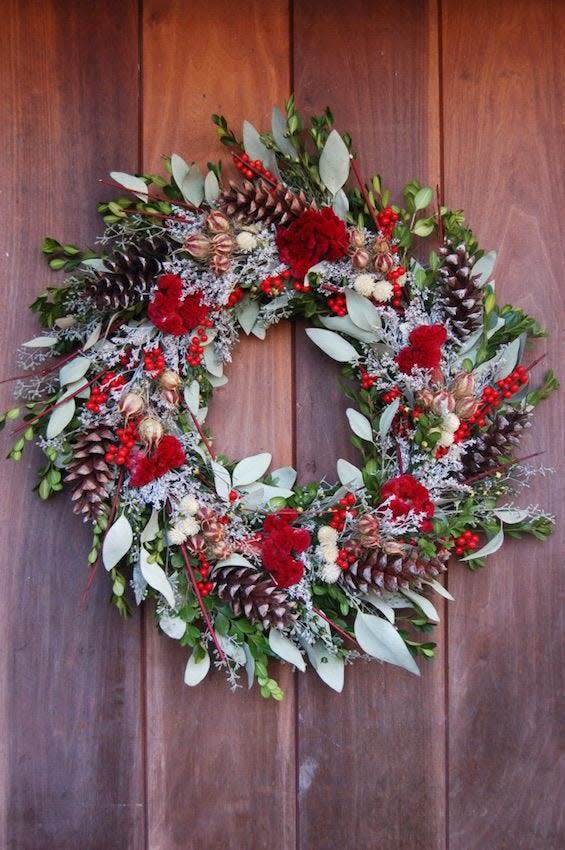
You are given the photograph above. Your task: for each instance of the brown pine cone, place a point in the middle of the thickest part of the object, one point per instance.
(251, 203)
(462, 294)
(376, 571)
(89, 473)
(130, 276)
(498, 441)
(252, 593)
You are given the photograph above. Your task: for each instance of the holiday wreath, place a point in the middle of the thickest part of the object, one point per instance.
(244, 564)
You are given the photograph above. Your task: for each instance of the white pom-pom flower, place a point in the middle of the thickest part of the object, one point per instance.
(327, 534)
(364, 284)
(330, 573)
(189, 505)
(246, 242)
(382, 290)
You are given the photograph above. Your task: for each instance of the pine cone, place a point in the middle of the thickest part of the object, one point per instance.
(497, 442)
(462, 294)
(130, 275)
(262, 204)
(252, 593)
(377, 571)
(89, 473)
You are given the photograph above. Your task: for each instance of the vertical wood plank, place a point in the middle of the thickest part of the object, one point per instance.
(220, 765)
(371, 760)
(70, 727)
(503, 96)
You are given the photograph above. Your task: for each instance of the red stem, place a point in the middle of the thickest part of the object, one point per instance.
(96, 564)
(500, 467)
(61, 401)
(203, 437)
(190, 573)
(44, 370)
(335, 626)
(252, 168)
(535, 363)
(370, 206)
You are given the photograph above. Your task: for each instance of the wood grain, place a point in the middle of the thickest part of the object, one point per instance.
(71, 772)
(503, 96)
(220, 766)
(371, 760)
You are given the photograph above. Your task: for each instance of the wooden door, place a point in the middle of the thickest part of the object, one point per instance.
(103, 747)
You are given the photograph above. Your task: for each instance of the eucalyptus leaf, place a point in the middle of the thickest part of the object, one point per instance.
(511, 515)
(179, 168)
(247, 312)
(217, 381)
(424, 604)
(232, 650)
(490, 548)
(74, 370)
(173, 627)
(439, 588)
(196, 671)
(334, 163)
(150, 530)
(192, 187)
(333, 344)
(329, 667)
(234, 560)
(359, 424)
(363, 313)
(249, 666)
(340, 204)
(380, 639)
(286, 649)
(257, 150)
(509, 359)
(259, 330)
(211, 188)
(156, 577)
(382, 606)
(344, 325)
(60, 418)
(40, 342)
(212, 362)
(131, 183)
(284, 476)
(484, 267)
(192, 397)
(117, 542)
(279, 128)
(349, 475)
(250, 469)
(386, 420)
(92, 337)
(222, 480)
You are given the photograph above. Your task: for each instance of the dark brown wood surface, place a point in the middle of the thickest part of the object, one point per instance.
(103, 746)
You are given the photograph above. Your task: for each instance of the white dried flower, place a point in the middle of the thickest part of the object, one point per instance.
(246, 241)
(175, 536)
(329, 552)
(382, 290)
(188, 526)
(450, 423)
(446, 439)
(364, 284)
(327, 534)
(330, 573)
(189, 505)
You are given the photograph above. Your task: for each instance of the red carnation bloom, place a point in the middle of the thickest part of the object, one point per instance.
(424, 349)
(168, 454)
(279, 544)
(406, 494)
(169, 313)
(312, 237)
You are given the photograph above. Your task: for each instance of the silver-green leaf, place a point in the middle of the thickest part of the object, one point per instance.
(333, 345)
(250, 469)
(359, 424)
(286, 649)
(380, 639)
(334, 163)
(117, 542)
(196, 671)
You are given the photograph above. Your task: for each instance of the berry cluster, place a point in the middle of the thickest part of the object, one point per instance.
(340, 514)
(99, 395)
(393, 276)
(126, 358)
(345, 559)
(275, 284)
(390, 395)
(301, 286)
(367, 380)
(337, 304)
(467, 541)
(387, 219)
(235, 296)
(128, 437)
(196, 349)
(251, 168)
(154, 361)
(511, 384)
(204, 586)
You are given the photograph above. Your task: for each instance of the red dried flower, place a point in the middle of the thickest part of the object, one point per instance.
(168, 454)
(424, 349)
(169, 313)
(406, 494)
(312, 237)
(279, 545)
